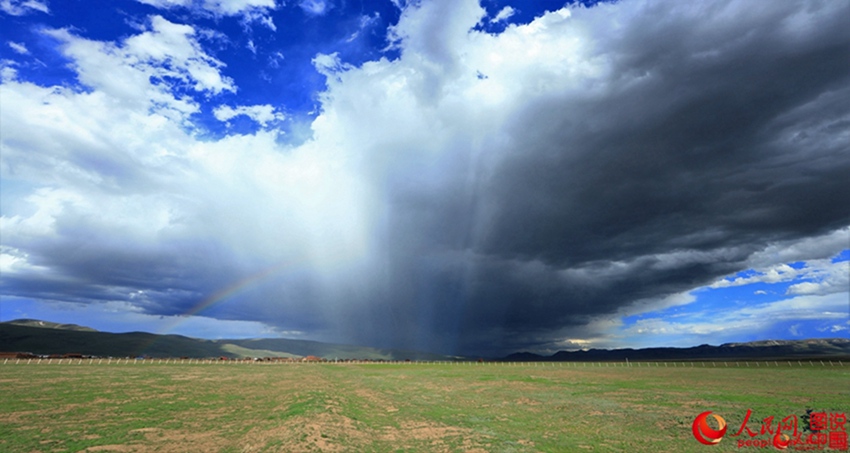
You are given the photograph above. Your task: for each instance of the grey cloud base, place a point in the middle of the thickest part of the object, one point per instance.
(668, 147)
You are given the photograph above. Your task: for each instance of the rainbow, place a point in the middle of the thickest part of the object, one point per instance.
(214, 299)
(226, 293)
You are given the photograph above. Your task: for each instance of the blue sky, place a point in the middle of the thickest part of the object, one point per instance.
(474, 177)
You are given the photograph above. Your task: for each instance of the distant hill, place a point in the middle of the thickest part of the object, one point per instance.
(43, 337)
(833, 348)
(47, 340)
(50, 325)
(331, 351)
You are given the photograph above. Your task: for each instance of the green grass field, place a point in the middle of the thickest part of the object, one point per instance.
(395, 407)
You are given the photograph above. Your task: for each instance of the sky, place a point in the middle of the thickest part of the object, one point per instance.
(453, 176)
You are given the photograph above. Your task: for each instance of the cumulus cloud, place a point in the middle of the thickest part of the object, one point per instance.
(142, 70)
(825, 278)
(574, 178)
(818, 277)
(612, 159)
(262, 114)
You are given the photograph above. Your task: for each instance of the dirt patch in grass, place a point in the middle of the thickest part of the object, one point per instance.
(112, 448)
(323, 432)
(423, 431)
(385, 408)
(332, 432)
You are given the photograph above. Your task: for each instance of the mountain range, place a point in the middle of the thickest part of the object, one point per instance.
(830, 348)
(44, 337)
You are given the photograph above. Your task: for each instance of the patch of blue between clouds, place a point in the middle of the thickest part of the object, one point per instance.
(524, 11)
(713, 300)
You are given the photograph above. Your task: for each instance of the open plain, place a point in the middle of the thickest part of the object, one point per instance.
(92, 405)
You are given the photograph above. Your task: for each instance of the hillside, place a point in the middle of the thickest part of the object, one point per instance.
(42, 337)
(331, 351)
(50, 325)
(833, 348)
(47, 340)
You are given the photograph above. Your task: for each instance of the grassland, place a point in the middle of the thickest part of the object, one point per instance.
(229, 407)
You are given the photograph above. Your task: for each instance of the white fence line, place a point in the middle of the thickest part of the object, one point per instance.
(606, 364)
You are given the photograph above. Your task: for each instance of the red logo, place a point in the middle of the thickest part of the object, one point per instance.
(706, 434)
(821, 430)
(781, 441)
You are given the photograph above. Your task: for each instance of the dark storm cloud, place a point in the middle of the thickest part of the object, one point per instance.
(697, 156)
(716, 134)
(664, 146)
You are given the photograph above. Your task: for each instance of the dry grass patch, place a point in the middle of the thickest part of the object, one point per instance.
(387, 408)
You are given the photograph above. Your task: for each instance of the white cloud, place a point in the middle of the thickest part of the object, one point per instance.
(505, 14)
(22, 7)
(275, 59)
(236, 7)
(265, 20)
(349, 212)
(250, 10)
(839, 328)
(827, 278)
(262, 114)
(809, 307)
(119, 316)
(19, 47)
(794, 330)
(775, 274)
(218, 7)
(330, 65)
(84, 138)
(811, 248)
(15, 261)
(365, 22)
(815, 277)
(118, 165)
(721, 326)
(166, 4)
(171, 43)
(314, 7)
(141, 70)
